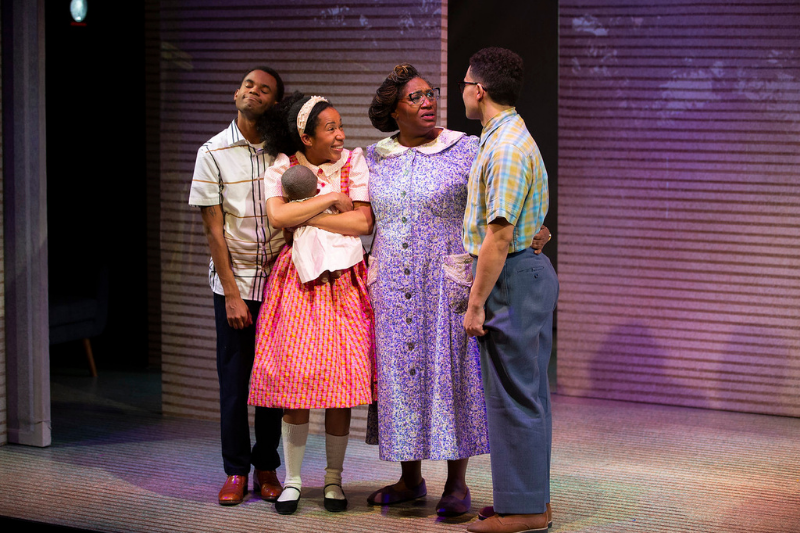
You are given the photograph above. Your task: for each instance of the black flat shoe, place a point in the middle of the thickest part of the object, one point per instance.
(288, 506)
(332, 504)
(450, 505)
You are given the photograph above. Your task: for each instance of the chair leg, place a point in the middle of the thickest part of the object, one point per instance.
(87, 345)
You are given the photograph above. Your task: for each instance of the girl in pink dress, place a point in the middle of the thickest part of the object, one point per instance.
(314, 341)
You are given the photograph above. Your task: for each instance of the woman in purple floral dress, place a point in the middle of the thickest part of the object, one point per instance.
(430, 397)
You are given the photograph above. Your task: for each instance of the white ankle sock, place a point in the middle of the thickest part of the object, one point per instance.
(335, 448)
(294, 449)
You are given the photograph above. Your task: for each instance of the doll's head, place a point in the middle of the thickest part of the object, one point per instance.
(299, 183)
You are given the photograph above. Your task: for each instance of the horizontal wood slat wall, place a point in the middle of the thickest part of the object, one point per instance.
(679, 203)
(3, 389)
(341, 52)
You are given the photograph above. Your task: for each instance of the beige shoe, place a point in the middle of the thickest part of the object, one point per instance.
(488, 511)
(511, 523)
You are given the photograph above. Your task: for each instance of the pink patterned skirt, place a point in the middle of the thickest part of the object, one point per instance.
(314, 341)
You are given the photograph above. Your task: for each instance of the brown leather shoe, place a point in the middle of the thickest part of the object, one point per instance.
(233, 490)
(265, 482)
(488, 511)
(511, 523)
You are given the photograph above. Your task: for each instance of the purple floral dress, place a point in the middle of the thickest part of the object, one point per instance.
(430, 397)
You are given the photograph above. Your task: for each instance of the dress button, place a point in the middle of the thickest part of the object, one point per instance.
(412, 371)
(405, 246)
(410, 345)
(408, 296)
(402, 193)
(408, 320)
(406, 272)
(404, 219)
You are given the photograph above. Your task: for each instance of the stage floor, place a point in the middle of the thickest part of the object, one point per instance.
(118, 465)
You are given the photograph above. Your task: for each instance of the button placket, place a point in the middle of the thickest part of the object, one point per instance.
(405, 228)
(406, 252)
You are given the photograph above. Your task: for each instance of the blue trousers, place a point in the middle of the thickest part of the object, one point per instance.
(236, 349)
(515, 353)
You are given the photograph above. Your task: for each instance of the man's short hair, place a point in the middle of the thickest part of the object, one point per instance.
(500, 73)
(272, 72)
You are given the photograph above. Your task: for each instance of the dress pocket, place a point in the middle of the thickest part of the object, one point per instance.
(372, 271)
(457, 271)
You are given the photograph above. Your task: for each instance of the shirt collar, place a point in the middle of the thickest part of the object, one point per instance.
(328, 169)
(390, 146)
(235, 137)
(495, 123)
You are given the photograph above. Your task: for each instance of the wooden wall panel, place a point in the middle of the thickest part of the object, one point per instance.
(679, 203)
(341, 52)
(3, 404)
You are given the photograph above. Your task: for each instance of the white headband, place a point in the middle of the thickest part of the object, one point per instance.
(302, 116)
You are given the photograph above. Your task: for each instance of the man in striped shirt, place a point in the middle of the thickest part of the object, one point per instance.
(513, 295)
(228, 189)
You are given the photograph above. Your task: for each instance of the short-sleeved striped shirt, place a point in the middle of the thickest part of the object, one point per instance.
(229, 172)
(507, 180)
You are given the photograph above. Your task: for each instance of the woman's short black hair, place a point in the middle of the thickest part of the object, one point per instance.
(385, 100)
(500, 72)
(278, 126)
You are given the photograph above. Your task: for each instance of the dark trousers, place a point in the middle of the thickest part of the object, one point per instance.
(235, 354)
(515, 353)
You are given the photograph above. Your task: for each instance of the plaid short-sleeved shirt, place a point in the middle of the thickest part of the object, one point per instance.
(507, 180)
(229, 172)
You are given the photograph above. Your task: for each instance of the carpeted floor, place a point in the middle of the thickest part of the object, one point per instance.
(117, 465)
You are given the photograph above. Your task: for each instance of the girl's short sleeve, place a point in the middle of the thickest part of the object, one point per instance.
(359, 176)
(272, 176)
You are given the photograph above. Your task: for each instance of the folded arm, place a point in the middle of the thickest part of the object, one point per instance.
(283, 214)
(359, 221)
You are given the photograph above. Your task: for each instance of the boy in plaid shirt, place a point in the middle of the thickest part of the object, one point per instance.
(513, 295)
